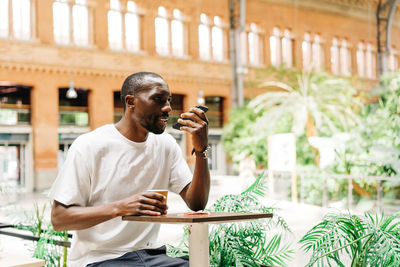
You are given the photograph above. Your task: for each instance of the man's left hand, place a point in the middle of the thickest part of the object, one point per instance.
(197, 126)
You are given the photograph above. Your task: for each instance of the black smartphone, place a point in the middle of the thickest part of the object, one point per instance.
(178, 126)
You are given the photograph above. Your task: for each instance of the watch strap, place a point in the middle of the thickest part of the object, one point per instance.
(203, 154)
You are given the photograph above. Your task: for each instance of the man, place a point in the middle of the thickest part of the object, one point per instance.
(108, 172)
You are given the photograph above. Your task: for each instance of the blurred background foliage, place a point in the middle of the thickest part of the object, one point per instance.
(319, 104)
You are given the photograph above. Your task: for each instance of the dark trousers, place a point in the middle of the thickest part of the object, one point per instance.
(144, 258)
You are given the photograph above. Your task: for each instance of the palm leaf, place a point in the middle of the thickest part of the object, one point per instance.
(367, 240)
(257, 187)
(281, 85)
(245, 243)
(275, 254)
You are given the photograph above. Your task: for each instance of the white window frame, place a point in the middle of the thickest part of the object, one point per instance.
(217, 40)
(393, 60)
(345, 58)
(115, 26)
(72, 26)
(62, 22)
(124, 24)
(80, 23)
(21, 19)
(204, 38)
(275, 47)
(360, 59)
(287, 49)
(162, 32)
(177, 34)
(370, 62)
(340, 57)
(335, 58)
(306, 52)
(132, 27)
(170, 34)
(15, 23)
(5, 18)
(254, 43)
(317, 53)
(211, 39)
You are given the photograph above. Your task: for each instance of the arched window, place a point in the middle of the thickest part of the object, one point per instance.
(115, 25)
(345, 59)
(132, 39)
(317, 53)
(16, 19)
(123, 26)
(21, 19)
(61, 22)
(275, 47)
(370, 62)
(80, 16)
(217, 40)
(204, 38)
(335, 66)
(177, 34)
(360, 59)
(71, 13)
(162, 31)
(287, 48)
(254, 45)
(392, 60)
(4, 18)
(307, 52)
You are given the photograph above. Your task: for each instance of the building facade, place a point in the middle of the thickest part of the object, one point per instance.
(62, 63)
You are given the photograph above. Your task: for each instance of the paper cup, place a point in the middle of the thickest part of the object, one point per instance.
(162, 192)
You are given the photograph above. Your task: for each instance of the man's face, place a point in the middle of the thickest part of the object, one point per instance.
(152, 105)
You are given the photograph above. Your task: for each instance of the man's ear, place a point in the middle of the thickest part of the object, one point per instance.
(130, 101)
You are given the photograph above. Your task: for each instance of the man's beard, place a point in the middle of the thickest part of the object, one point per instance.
(153, 128)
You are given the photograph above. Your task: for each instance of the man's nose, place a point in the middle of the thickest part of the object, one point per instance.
(167, 107)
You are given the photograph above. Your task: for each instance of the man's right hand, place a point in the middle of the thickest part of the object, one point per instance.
(145, 203)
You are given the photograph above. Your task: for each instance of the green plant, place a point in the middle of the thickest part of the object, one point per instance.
(306, 104)
(373, 146)
(389, 91)
(313, 100)
(45, 248)
(366, 240)
(238, 139)
(317, 104)
(247, 243)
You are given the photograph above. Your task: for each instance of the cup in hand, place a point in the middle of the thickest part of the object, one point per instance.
(162, 192)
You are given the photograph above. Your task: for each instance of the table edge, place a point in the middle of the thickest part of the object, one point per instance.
(203, 219)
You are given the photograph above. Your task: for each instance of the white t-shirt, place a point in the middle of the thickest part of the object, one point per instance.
(104, 166)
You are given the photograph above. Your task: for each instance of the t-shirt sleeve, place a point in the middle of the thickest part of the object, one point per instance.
(181, 175)
(72, 185)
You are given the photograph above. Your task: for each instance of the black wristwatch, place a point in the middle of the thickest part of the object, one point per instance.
(204, 154)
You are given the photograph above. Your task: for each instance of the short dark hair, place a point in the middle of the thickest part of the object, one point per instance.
(134, 83)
